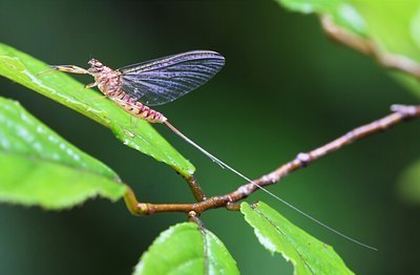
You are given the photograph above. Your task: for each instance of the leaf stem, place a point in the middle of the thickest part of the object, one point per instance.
(369, 47)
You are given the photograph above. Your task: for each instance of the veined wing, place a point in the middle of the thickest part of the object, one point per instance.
(163, 80)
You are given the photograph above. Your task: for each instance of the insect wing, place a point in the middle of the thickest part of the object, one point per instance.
(165, 79)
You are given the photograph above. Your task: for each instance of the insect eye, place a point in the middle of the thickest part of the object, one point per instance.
(92, 62)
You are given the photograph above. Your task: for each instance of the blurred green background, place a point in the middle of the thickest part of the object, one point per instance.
(285, 88)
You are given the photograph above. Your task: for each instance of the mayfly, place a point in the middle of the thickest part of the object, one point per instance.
(160, 81)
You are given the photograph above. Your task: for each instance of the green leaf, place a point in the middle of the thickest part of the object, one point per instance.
(307, 254)
(390, 24)
(38, 167)
(393, 26)
(186, 249)
(341, 11)
(60, 87)
(310, 6)
(409, 183)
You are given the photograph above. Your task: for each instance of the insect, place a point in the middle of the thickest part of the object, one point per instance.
(160, 81)
(156, 82)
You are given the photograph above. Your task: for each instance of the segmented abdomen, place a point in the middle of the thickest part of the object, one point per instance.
(136, 108)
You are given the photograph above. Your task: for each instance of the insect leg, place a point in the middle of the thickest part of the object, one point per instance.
(91, 85)
(70, 69)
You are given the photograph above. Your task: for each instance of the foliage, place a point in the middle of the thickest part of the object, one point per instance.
(38, 167)
(186, 248)
(307, 254)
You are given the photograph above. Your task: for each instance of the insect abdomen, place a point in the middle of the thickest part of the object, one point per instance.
(138, 109)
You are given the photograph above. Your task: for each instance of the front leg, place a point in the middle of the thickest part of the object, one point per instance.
(70, 69)
(91, 85)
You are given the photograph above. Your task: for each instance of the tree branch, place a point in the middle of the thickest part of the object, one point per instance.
(399, 114)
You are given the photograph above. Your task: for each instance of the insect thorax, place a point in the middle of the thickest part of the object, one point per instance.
(108, 80)
(110, 84)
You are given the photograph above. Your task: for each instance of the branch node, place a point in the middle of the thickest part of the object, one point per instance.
(244, 190)
(304, 159)
(143, 209)
(271, 178)
(193, 217)
(233, 206)
(406, 110)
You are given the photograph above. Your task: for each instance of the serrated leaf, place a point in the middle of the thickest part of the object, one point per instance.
(409, 183)
(186, 249)
(136, 133)
(38, 167)
(307, 254)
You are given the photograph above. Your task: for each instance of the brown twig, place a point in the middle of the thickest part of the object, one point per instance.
(195, 188)
(399, 113)
(369, 47)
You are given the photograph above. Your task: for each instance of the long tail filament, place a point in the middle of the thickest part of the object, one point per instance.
(224, 165)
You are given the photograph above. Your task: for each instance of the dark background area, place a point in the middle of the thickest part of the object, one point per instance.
(285, 89)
